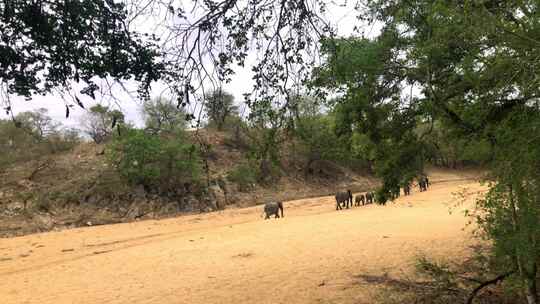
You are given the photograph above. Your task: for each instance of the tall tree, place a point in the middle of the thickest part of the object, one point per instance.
(162, 115)
(100, 121)
(219, 106)
(38, 123)
(474, 66)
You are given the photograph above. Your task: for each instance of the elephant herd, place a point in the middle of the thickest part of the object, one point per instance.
(344, 199)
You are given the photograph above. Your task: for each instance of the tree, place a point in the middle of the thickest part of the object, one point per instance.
(315, 131)
(373, 106)
(47, 45)
(219, 106)
(473, 63)
(100, 121)
(38, 123)
(161, 115)
(156, 162)
(84, 40)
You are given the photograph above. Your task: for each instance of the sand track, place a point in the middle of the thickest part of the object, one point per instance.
(233, 256)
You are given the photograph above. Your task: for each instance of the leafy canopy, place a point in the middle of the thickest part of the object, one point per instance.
(45, 45)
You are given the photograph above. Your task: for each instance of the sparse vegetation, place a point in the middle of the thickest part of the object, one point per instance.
(474, 280)
(100, 122)
(31, 136)
(244, 175)
(220, 109)
(162, 116)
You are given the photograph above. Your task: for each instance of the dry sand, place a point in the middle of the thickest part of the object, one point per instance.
(311, 256)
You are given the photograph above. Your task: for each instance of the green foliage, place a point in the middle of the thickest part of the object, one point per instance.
(100, 121)
(161, 115)
(509, 213)
(31, 136)
(154, 161)
(244, 175)
(47, 44)
(371, 111)
(446, 146)
(470, 64)
(37, 123)
(362, 147)
(220, 108)
(318, 140)
(264, 153)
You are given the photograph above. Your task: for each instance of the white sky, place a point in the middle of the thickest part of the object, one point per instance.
(343, 18)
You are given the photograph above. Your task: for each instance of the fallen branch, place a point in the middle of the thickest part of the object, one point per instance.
(487, 283)
(39, 168)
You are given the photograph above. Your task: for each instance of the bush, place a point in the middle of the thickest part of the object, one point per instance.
(445, 282)
(19, 142)
(155, 162)
(244, 176)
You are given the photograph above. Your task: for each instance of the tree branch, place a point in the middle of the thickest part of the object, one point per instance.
(487, 283)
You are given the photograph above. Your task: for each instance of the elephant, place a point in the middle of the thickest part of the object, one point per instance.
(369, 198)
(422, 184)
(407, 189)
(343, 198)
(360, 199)
(272, 208)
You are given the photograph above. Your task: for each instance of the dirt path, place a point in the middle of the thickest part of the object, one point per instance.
(310, 256)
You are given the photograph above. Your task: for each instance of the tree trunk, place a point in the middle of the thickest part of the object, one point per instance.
(532, 296)
(528, 276)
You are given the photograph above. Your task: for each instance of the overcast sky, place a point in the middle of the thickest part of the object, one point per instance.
(342, 16)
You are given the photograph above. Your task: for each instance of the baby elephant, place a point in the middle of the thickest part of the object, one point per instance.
(359, 199)
(272, 208)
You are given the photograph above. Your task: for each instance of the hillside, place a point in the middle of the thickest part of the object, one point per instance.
(78, 188)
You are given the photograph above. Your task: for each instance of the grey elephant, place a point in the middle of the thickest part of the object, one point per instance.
(369, 198)
(344, 198)
(272, 208)
(359, 199)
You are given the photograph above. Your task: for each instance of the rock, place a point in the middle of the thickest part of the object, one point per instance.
(44, 221)
(93, 199)
(218, 200)
(139, 192)
(14, 207)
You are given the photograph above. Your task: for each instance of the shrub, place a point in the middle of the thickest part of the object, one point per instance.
(155, 162)
(244, 176)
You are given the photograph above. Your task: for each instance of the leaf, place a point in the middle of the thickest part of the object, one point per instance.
(79, 102)
(186, 92)
(114, 119)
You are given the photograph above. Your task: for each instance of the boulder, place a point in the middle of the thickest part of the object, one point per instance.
(218, 199)
(139, 192)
